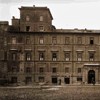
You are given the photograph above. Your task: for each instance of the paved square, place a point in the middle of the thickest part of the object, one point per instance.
(51, 93)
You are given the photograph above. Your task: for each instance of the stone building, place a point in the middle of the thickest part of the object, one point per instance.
(32, 51)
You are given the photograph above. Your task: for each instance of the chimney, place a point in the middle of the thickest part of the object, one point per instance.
(33, 5)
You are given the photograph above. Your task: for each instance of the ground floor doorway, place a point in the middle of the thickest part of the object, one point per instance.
(54, 80)
(67, 80)
(91, 76)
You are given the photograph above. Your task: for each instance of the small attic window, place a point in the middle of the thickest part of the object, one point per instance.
(27, 18)
(91, 40)
(41, 18)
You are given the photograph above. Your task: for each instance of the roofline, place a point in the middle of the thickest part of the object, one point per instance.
(34, 7)
(73, 33)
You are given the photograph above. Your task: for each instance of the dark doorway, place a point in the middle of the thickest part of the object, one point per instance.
(91, 76)
(67, 80)
(14, 79)
(54, 80)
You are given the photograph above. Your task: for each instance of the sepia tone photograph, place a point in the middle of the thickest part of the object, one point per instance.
(49, 50)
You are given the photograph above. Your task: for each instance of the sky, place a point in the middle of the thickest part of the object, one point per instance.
(67, 14)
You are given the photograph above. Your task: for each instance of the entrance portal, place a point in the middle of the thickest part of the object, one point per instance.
(91, 76)
(67, 80)
(54, 80)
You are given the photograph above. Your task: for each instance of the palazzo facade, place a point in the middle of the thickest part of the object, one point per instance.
(33, 51)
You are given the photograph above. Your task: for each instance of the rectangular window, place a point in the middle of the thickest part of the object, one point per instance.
(66, 70)
(54, 56)
(91, 40)
(79, 56)
(41, 69)
(67, 56)
(41, 40)
(28, 69)
(41, 56)
(91, 56)
(28, 80)
(27, 28)
(41, 79)
(14, 56)
(79, 70)
(28, 56)
(27, 18)
(54, 40)
(41, 28)
(13, 40)
(67, 40)
(79, 40)
(27, 40)
(54, 70)
(41, 18)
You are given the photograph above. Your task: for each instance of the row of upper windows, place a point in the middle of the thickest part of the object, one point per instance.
(15, 40)
(55, 70)
(67, 56)
(41, 69)
(41, 56)
(41, 18)
(67, 40)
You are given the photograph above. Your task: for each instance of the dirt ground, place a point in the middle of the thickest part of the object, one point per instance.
(51, 93)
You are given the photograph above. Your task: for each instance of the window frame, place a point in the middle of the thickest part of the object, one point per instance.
(28, 28)
(67, 56)
(66, 69)
(41, 56)
(54, 56)
(14, 40)
(79, 56)
(54, 40)
(67, 40)
(27, 18)
(27, 40)
(79, 70)
(41, 69)
(41, 18)
(91, 40)
(28, 56)
(91, 56)
(41, 40)
(79, 40)
(54, 70)
(13, 56)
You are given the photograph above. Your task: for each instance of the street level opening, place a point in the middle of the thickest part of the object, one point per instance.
(91, 77)
(54, 80)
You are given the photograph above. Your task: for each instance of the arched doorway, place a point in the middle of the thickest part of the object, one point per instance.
(91, 76)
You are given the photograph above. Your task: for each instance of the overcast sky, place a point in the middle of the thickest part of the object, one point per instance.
(67, 14)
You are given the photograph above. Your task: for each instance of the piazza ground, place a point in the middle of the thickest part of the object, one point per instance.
(51, 93)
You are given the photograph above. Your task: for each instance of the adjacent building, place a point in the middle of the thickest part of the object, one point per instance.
(32, 51)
